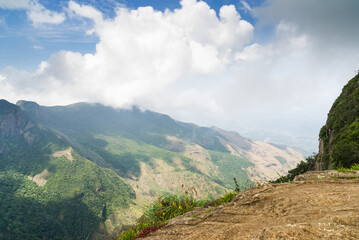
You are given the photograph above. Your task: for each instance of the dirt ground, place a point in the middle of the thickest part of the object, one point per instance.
(318, 205)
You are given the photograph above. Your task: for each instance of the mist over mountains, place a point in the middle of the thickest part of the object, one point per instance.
(108, 163)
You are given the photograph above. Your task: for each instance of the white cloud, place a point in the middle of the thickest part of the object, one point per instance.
(36, 12)
(14, 4)
(246, 6)
(141, 52)
(204, 68)
(85, 11)
(39, 15)
(38, 47)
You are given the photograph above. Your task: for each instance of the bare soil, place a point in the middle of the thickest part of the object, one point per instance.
(40, 179)
(66, 153)
(318, 205)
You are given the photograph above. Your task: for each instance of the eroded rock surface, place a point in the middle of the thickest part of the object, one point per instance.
(324, 207)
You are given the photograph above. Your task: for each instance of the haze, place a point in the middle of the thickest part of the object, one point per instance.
(267, 69)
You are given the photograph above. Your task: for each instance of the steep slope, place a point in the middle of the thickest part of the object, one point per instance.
(131, 141)
(155, 154)
(339, 137)
(47, 190)
(269, 159)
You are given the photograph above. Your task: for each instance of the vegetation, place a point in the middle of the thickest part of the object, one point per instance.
(230, 166)
(340, 135)
(301, 168)
(354, 167)
(109, 145)
(164, 208)
(71, 199)
(169, 206)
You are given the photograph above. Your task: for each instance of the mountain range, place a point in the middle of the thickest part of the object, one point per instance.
(87, 169)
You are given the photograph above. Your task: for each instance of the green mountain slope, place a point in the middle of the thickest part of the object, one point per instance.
(339, 137)
(47, 190)
(107, 163)
(123, 139)
(92, 128)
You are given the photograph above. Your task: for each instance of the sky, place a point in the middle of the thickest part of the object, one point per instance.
(269, 69)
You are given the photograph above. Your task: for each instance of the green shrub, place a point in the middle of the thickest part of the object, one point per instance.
(301, 168)
(226, 198)
(172, 205)
(354, 167)
(169, 206)
(129, 234)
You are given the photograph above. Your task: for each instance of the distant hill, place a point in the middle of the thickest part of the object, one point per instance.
(47, 190)
(105, 164)
(339, 137)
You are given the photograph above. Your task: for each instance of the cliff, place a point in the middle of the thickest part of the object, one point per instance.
(317, 205)
(339, 137)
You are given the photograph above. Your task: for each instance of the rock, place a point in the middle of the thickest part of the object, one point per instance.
(322, 205)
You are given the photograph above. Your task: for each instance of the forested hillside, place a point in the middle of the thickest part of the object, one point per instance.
(339, 137)
(72, 171)
(47, 190)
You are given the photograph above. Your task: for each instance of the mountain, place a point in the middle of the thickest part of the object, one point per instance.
(47, 190)
(339, 137)
(104, 164)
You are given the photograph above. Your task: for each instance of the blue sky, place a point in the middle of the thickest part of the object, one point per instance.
(265, 68)
(25, 46)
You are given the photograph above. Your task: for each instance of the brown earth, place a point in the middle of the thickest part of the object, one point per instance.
(319, 205)
(66, 153)
(40, 179)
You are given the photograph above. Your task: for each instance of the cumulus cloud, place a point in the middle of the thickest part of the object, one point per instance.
(36, 12)
(289, 81)
(39, 15)
(140, 52)
(206, 68)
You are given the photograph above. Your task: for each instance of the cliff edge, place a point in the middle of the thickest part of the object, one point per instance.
(317, 205)
(339, 137)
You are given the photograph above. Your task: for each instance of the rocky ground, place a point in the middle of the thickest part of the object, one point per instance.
(317, 205)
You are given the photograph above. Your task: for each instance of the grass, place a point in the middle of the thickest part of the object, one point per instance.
(164, 208)
(354, 167)
(226, 198)
(169, 206)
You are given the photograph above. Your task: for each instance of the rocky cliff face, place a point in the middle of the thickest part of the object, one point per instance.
(339, 137)
(14, 124)
(13, 121)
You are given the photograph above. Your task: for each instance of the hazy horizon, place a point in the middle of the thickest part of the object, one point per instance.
(256, 67)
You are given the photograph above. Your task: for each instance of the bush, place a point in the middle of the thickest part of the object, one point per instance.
(168, 206)
(301, 168)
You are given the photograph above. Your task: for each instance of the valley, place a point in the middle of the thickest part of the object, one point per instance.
(114, 162)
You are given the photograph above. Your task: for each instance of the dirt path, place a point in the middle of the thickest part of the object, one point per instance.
(324, 208)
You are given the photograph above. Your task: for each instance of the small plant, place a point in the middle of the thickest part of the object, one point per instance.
(301, 168)
(172, 205)
(236, 189)
(164, 208)
(168, 206)
(128, 234)
(342, 169)
(226, 198)
(355, 167)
